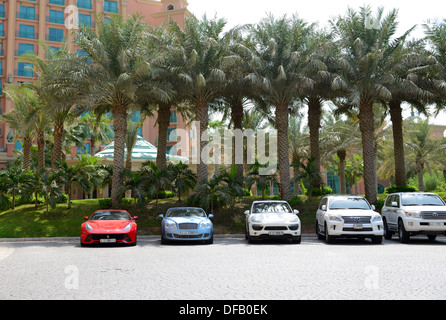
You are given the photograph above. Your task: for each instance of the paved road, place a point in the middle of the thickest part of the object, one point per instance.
(229, 269)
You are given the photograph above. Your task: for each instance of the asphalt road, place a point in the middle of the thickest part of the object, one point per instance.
(228, 269)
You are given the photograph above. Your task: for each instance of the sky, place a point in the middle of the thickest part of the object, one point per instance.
(238, 12)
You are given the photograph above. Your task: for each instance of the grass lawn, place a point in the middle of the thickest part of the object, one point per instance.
(25, 221)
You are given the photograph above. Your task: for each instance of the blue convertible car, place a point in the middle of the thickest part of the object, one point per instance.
(186, 223)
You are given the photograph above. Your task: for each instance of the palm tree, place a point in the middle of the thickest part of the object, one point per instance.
(283, 73)
(51, 189)
(262, 182)
(209, 191)
(24, 101)
(196, 57)
(156, 178)
(422, 149)
(98, 129)
(13, 179)
(110, 77)
(136, 183)
(183, 178)
(367, 56)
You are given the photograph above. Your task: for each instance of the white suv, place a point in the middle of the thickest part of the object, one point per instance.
(272, 219)
(348, 216)
(411, 213)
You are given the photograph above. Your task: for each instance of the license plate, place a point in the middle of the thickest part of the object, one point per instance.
(108, 240)
(276, 233)
(188, 232)
(357, 226)
(436, 224)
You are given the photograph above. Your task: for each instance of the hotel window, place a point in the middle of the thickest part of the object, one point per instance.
(25, 47)
(28, 13)
(1, 68)
(173, 116)
(2, 11)
(84, 4)
(26, 31)
(25, 69)
(56, 16)
(2, 29)
(58, 2)
(172, 137)
(170, 7)
(110, 6)
(55, 34)
(84, 20)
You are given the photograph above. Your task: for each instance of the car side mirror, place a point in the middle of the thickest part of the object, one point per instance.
(394, 204)
(324, 208)
(246, 212)
(210, 216)
(296, 211)
(85, 218)
(373, 207)
(135, 217)
(161, 216)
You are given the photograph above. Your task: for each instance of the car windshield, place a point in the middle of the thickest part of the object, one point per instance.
(349, 203)
(421, 200)
(186, 212)
(110, 215)
(265, 207)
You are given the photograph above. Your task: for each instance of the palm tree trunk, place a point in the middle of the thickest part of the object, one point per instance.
(120, 128)
(92, 145)
(398, 142)
(314, 123)
(367, 128)
(57, 147)
(202, 117)
(40, 150)
(342, 186)
(237, 119)
(163, 124)
(282, 142)
(26, 162)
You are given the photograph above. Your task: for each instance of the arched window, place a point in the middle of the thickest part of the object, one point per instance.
(170, 7)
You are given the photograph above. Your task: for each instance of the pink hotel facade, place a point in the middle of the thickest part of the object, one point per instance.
(23, 23)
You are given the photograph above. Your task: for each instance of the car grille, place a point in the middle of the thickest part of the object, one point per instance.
(118, 237)
(433, 215)
(357, 219)
(357, 230)
(277, 228)
(188, 225)
(187, 236)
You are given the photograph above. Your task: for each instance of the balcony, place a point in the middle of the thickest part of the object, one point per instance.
(24, 73)
(26, 35)
(53, 19)
(27, 16)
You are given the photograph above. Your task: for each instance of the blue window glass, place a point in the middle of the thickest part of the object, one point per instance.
(172, 137)
(56, 16)
(135, 116)
(26, 31)
(55, 34)
(2, 30)
(58, 2)
(25, 69)
(18, 146)
(1, 68)
(173, 116)
(85, 20)
(54, 48)
(85, 149)
(25, 47)
(2, 11)
(110, 6)
(28, 13)
(84, 4)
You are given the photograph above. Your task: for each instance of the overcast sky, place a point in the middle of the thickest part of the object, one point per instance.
(238, 12)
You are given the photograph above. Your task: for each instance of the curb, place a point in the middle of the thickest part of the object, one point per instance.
(140, 237)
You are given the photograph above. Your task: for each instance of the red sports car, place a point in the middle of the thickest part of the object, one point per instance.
(109, 226)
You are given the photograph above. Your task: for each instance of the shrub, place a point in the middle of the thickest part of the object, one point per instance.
(246, 192)
(295, 200)
(164, 194)
(105, 203)
(405, 188)
(321, 191)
